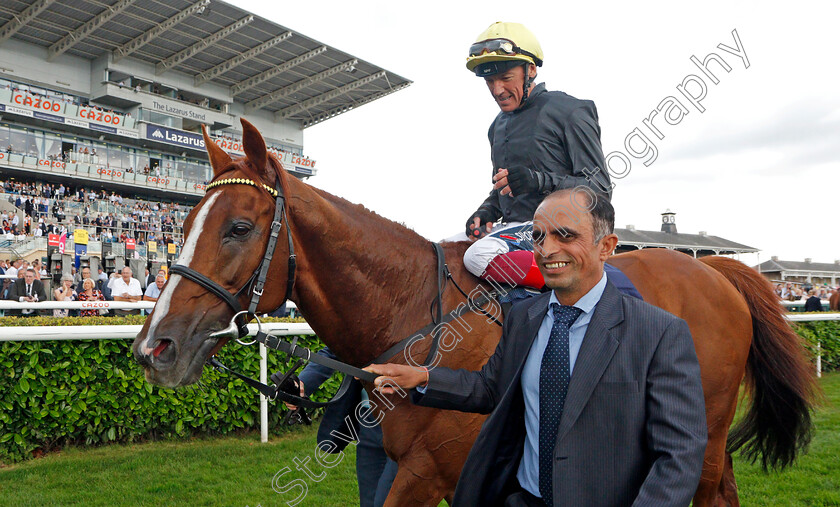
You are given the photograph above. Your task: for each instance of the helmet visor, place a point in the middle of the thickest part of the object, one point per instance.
(499, 47)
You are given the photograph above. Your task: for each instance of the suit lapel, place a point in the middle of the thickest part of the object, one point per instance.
(536, 314)
(530, 328)
(597, 349)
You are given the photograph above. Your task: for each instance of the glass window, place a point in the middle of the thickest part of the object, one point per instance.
(141, 162)
(23, 141)
(52, 146)
(4, 138)
(116, 156)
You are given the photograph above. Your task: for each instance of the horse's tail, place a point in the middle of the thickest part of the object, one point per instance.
(779, 378)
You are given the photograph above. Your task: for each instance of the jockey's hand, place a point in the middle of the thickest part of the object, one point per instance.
(402, 375)
(294, 407)
(479, 224)
(500, 181)
(523, 180)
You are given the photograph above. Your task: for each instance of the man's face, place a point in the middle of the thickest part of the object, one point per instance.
(569, 258)
(159, 281)
(506, 88)
(85, 273)
(126, 275)
(29, 276)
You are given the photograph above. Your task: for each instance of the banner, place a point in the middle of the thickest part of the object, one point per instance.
(56, 110)
(52, 240)
(80, 236)
(176, 137)
(170, 248)
(129, 244)
(62, 243)
(151, 247)
(80, 251)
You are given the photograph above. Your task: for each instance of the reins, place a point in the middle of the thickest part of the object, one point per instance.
(257, 280)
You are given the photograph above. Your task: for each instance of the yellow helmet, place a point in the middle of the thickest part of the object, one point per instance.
(503, 42)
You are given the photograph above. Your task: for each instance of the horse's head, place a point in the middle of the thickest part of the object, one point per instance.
(226, 237)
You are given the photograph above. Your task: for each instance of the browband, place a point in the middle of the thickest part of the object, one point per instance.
(242, 181)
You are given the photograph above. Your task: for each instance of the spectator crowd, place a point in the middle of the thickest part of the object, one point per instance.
(22, 283)
(45, 208)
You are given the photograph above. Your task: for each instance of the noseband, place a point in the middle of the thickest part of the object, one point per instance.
(257, 280)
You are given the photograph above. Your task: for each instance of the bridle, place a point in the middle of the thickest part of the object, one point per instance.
(257, 279)
(257, 284)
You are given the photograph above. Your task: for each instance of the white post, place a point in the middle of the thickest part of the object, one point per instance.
(263, 399)
(819, 361)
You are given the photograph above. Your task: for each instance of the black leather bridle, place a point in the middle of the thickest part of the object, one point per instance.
(257, 285)
(257, 280)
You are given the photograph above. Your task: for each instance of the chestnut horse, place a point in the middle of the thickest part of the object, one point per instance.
(364, 283)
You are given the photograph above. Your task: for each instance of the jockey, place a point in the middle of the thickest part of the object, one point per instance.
(541, 141)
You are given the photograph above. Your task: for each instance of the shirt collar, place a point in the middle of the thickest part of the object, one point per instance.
(588, 301)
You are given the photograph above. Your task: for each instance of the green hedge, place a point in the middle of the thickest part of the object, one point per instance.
(827, 334)
(91, 392)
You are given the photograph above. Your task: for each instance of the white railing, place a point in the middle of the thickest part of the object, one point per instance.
(806, 317)
(48, 333)
(77, 305)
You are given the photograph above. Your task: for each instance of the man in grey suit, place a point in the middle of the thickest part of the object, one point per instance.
(594, 396)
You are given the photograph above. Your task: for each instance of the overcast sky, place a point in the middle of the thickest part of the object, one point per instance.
(759, 166)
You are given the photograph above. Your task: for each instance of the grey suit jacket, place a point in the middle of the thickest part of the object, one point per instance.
(633, 430)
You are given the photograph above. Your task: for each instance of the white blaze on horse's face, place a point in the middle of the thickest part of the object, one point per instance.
(162, 305)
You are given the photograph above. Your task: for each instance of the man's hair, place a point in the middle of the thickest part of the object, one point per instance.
(598, 206)
(30, 269)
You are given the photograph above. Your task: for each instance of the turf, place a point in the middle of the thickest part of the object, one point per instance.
(241, 471)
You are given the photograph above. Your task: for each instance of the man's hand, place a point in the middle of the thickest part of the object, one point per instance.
(522, 180)
(500, 181)
(407, 377)
(479, 224)
(294, 407)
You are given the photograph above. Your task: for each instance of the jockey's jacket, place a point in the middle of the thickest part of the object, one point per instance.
(555, 134)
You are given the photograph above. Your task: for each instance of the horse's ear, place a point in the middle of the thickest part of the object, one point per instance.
(254, 145)
(218, 157)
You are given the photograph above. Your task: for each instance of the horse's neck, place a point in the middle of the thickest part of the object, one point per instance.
(363, 281)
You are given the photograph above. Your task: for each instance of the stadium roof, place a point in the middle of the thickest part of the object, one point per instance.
(643, 239)
(776, 265)
(265, 65)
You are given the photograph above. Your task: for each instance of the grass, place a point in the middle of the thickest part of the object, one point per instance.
(241, 471)
(815, 478)
(218, 471)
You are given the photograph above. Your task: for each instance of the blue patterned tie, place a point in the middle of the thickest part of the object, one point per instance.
(554, 383)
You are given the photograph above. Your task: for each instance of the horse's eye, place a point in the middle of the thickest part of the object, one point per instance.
(240, 230)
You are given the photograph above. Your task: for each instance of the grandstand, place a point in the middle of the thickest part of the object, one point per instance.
(107, 98)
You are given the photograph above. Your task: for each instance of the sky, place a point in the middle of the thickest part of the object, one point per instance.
(759, 165)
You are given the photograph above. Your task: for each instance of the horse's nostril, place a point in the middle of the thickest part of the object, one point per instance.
(161, 347)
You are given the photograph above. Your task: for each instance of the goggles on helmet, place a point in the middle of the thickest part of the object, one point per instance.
(500, 47)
